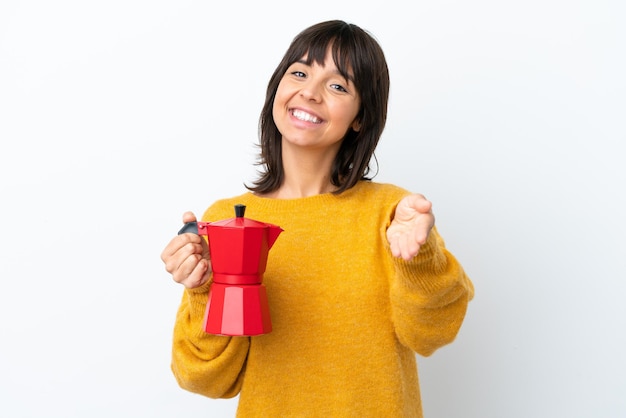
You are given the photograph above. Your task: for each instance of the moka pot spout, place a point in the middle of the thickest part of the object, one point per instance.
(273, 233)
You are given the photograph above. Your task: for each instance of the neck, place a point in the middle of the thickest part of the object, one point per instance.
(298, 189)
(307, 173)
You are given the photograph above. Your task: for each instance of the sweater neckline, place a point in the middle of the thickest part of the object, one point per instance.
(318, 199)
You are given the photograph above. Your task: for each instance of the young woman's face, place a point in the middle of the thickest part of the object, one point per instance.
(315, 105)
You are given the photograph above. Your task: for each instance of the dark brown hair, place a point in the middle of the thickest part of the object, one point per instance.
(355, 50)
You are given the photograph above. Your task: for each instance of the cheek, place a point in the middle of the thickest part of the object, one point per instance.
(279, 99)
(347, 113)
(279, 111)
(276, 107)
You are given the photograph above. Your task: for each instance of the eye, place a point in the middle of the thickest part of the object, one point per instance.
(298, 74)
(338, 87)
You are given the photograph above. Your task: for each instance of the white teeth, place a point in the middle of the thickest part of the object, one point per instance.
(299, 114)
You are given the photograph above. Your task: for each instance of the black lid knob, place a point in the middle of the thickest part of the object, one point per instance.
(240, 210)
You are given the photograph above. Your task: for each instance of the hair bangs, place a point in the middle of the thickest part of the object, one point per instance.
(315, 45)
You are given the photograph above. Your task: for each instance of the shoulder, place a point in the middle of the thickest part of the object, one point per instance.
(380, 192)
(224, 208)
(375, 199)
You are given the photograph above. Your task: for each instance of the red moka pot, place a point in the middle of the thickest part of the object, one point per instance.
(239, 247)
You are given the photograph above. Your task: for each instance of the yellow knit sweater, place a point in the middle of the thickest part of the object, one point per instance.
(347, 317)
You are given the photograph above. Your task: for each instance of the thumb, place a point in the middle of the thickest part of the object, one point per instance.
(419, 203)
(189, 217)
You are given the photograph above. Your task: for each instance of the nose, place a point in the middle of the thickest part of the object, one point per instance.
(311, 91)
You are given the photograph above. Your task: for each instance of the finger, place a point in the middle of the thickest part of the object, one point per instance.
(419, 203)
(177, 243)
(393, 244)
(185, 268)
(188, 271)
(422, 229)
(189, 217)
(409, 247)
(198, 275)
(180, 249)
(171, 248)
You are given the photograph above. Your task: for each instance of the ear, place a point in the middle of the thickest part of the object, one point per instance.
(356, 125)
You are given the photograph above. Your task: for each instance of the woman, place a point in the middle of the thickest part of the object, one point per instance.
(358, 282)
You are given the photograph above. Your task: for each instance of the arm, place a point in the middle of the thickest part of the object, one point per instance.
(430, 290)
(202, 363)
(429, 297)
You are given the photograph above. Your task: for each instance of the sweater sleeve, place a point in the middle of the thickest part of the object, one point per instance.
(203, 363)
(429, 297)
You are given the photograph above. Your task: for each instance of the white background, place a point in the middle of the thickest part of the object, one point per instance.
(117, 116)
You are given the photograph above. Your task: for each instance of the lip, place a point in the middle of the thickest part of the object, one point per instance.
(318, 120)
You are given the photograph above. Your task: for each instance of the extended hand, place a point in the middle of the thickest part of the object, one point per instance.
(410, 226)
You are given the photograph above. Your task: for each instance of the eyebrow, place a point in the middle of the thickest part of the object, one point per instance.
(349, 78)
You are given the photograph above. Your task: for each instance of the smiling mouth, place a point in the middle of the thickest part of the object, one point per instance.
(304, 116)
